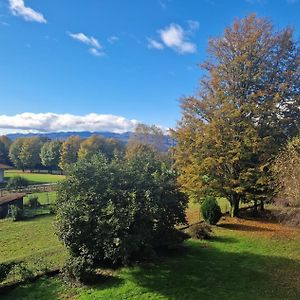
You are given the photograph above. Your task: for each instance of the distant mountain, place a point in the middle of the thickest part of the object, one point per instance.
(123, 137)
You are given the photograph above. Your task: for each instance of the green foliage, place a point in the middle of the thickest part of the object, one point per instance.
(232, 129)
(79, 270)
(50, 154)
(200, 231)
(14, 153)
(25, 152)
(33, 201)
(5, 269)
(5, 143)
(69, 151)
(210, 210)
(121, 210)
(16, 213)
(17, 182)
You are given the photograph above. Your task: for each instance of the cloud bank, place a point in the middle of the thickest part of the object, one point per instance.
(18, 8)
(51, 122)
(176, 38)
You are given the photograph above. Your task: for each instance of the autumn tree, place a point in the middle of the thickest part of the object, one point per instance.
(247, 107)
(50, 154)
(30, 152)
(148, 135)
(69, 151)
(286, 170)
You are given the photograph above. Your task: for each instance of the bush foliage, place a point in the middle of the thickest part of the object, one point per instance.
(17, 182)
(211, 211)
(119, 211)
(200, 231)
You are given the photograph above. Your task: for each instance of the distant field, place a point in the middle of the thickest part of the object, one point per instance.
(35, 178)
(32, 241)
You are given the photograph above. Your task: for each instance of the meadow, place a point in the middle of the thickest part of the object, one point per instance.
(35, 178)
(247, 259)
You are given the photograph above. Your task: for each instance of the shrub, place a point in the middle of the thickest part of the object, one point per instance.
(78, 270)
(5, 269)
(17, 182)
(200, 231)
(119, 211)
(211, 211)
(33, 201)
(16, 213)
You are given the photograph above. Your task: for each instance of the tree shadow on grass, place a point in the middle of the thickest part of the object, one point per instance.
(208, 273)
(243, 227)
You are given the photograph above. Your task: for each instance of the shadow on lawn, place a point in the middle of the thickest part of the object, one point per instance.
(243, 227)
(207, 273)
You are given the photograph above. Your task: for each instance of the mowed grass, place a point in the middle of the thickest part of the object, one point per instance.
(246, 260)
(35, 178)
(44, 197)
(32, 241)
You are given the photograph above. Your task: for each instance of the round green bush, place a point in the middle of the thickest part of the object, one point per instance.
(211, 211)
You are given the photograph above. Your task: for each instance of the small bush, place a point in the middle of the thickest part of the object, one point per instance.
(17, 182)
(211, 211)
(5, 269)
(16, 213)
(79, 270)
(22, 272)
(33, 201)
(200, 231)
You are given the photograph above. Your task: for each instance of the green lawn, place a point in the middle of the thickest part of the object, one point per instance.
(34, 178)
(44, 197)
(247, 261)
(32, 241)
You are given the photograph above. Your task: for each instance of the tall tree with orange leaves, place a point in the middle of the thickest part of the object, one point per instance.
(248, 105)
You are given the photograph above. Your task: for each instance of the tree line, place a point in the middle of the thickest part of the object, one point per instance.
(39, 152)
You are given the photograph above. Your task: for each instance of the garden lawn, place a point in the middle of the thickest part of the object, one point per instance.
(35, 178)
(32, 241)
(246, 260)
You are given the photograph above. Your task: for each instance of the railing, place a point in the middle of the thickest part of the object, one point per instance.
(31, 189)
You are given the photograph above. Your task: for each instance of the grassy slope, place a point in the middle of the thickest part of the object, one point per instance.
(34, 178)
(44, 198)
(245, 261)
(32, 241)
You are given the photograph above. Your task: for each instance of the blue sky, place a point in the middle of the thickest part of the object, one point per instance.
(128, 58)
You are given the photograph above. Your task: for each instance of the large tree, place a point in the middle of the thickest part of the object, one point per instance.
(69, 151)
(50, 154)
(248, 105)
(30, 152)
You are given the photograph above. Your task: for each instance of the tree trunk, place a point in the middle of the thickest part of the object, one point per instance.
(262, 205)
(255, 208)
(235, 205)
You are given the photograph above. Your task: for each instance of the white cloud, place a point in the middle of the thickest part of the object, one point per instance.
(51, 122)
(90, 41)
(176, 38)
(153, 44)
(18, 8)
(113, 39)
(96, 52)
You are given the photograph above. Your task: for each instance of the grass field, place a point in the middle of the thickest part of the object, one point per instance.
(44, 198)
(246, 260)
(34, 178)
(32, 241)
